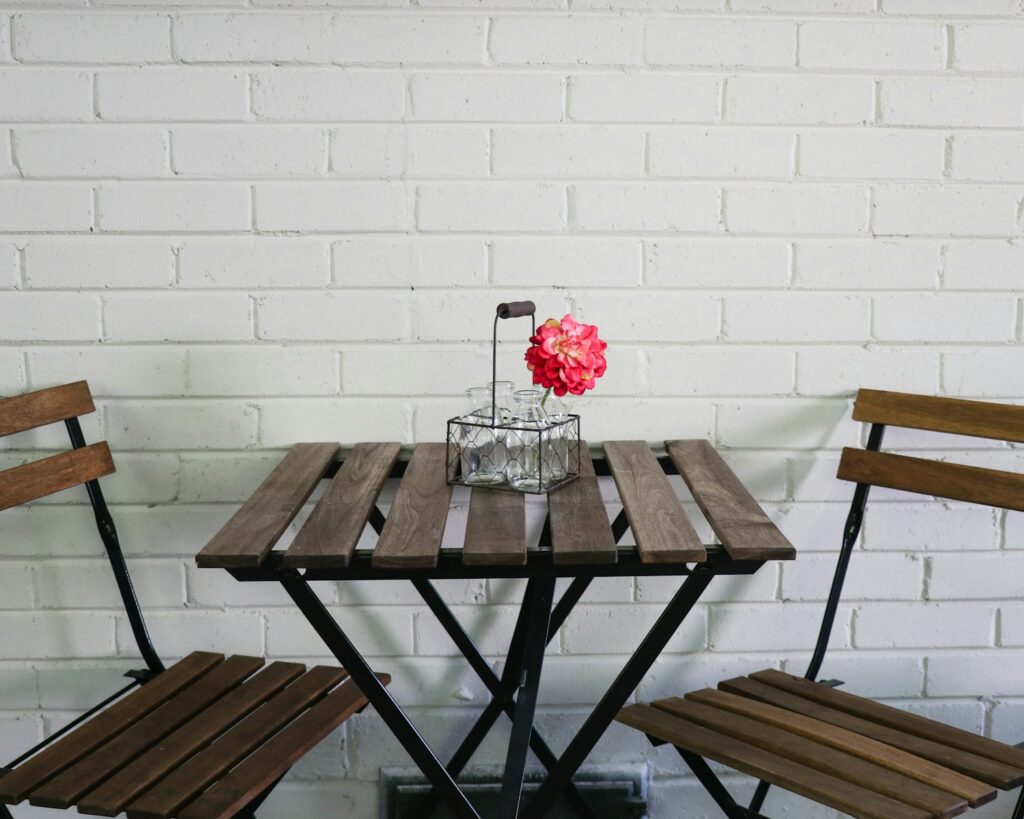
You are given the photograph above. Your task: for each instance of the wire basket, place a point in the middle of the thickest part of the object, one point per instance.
(513, 457)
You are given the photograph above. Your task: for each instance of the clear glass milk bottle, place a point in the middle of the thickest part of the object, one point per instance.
(529, 424)
(484, 455)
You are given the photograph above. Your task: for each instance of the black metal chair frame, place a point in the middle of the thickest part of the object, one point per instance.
(851, 531)
(515, 692)
(154, 665)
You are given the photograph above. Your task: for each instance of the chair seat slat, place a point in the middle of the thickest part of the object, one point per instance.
(580, 532)
(952, 415)
(106, 760)
(975, 793)
(659, 523)
(977, 767)
(36, 409)
(975, 484)
(110, 798)
(821, 757)
(189, 780)
(745, 530)
(332, 531)
(895, 718)
(822, 787)
(28, 482)
(248, 780)
(28, 776)
(246, 539)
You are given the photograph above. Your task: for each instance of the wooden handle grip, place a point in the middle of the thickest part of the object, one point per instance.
(515, 309)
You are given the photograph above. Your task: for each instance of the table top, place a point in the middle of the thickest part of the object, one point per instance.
(577, 531)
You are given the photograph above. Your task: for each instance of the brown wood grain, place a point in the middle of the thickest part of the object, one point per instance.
(895, 718)
(822, 757)
(821, 787)
(48, 763)
(580, 531)
(64, 789)
(35, 409)
(28, 482)
(111, 797)
(331, 533)
(974, 484)
(246, 539)
(980, 419)
(232, 793)
(971, 790)
(662, 531)
(495, 529)
(190, 779)
(412, 533)
(977, 767)
(739, 521)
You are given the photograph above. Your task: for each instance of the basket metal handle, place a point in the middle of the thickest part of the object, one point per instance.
(507, 309)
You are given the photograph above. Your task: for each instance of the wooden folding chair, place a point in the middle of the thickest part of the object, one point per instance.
(860, 757)
(206, 738)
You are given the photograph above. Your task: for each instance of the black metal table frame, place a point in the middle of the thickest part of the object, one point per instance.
(515, 692)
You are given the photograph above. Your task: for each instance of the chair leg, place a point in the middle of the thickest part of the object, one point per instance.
(1018, 812)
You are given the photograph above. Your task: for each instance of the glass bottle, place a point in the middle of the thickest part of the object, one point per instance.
(555, 448)
(482, 445)
(503, 398)
(529, 423)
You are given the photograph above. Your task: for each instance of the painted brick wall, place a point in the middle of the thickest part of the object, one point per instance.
(251, 223)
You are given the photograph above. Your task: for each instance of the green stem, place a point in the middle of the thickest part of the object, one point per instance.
(544, 400)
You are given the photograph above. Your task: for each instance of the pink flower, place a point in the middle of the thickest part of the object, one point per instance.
(566, 356)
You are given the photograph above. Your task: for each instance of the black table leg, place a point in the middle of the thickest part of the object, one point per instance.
(375, 691)
(503, 689)
(538, 604)
(627, 681)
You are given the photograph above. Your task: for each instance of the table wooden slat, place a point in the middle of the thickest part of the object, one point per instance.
(895, 718)
(496, 529)
(236, 790)
(740, 523)
(110, 798)
(580, 531)
(330, 535)
(662, 531)
(189, 780)
(821, 757)
(977, 767)
(974, 792)
(820, 787)
(412, 533)
(246, 539)
(46, 764)
(109, 758)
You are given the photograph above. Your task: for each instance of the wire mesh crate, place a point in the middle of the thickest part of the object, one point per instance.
(488, 449)
(513, 457)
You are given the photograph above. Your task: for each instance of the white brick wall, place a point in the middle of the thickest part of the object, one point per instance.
(254, 223)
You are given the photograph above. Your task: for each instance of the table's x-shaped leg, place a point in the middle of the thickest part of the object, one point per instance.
(503, 689)
(523, 668)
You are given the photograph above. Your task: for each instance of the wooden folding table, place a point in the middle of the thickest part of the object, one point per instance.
(577, 542)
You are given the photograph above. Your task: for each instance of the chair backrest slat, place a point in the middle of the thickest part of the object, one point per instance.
(34, 480)
(36, 409)
(974, 484)
(979, 419)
